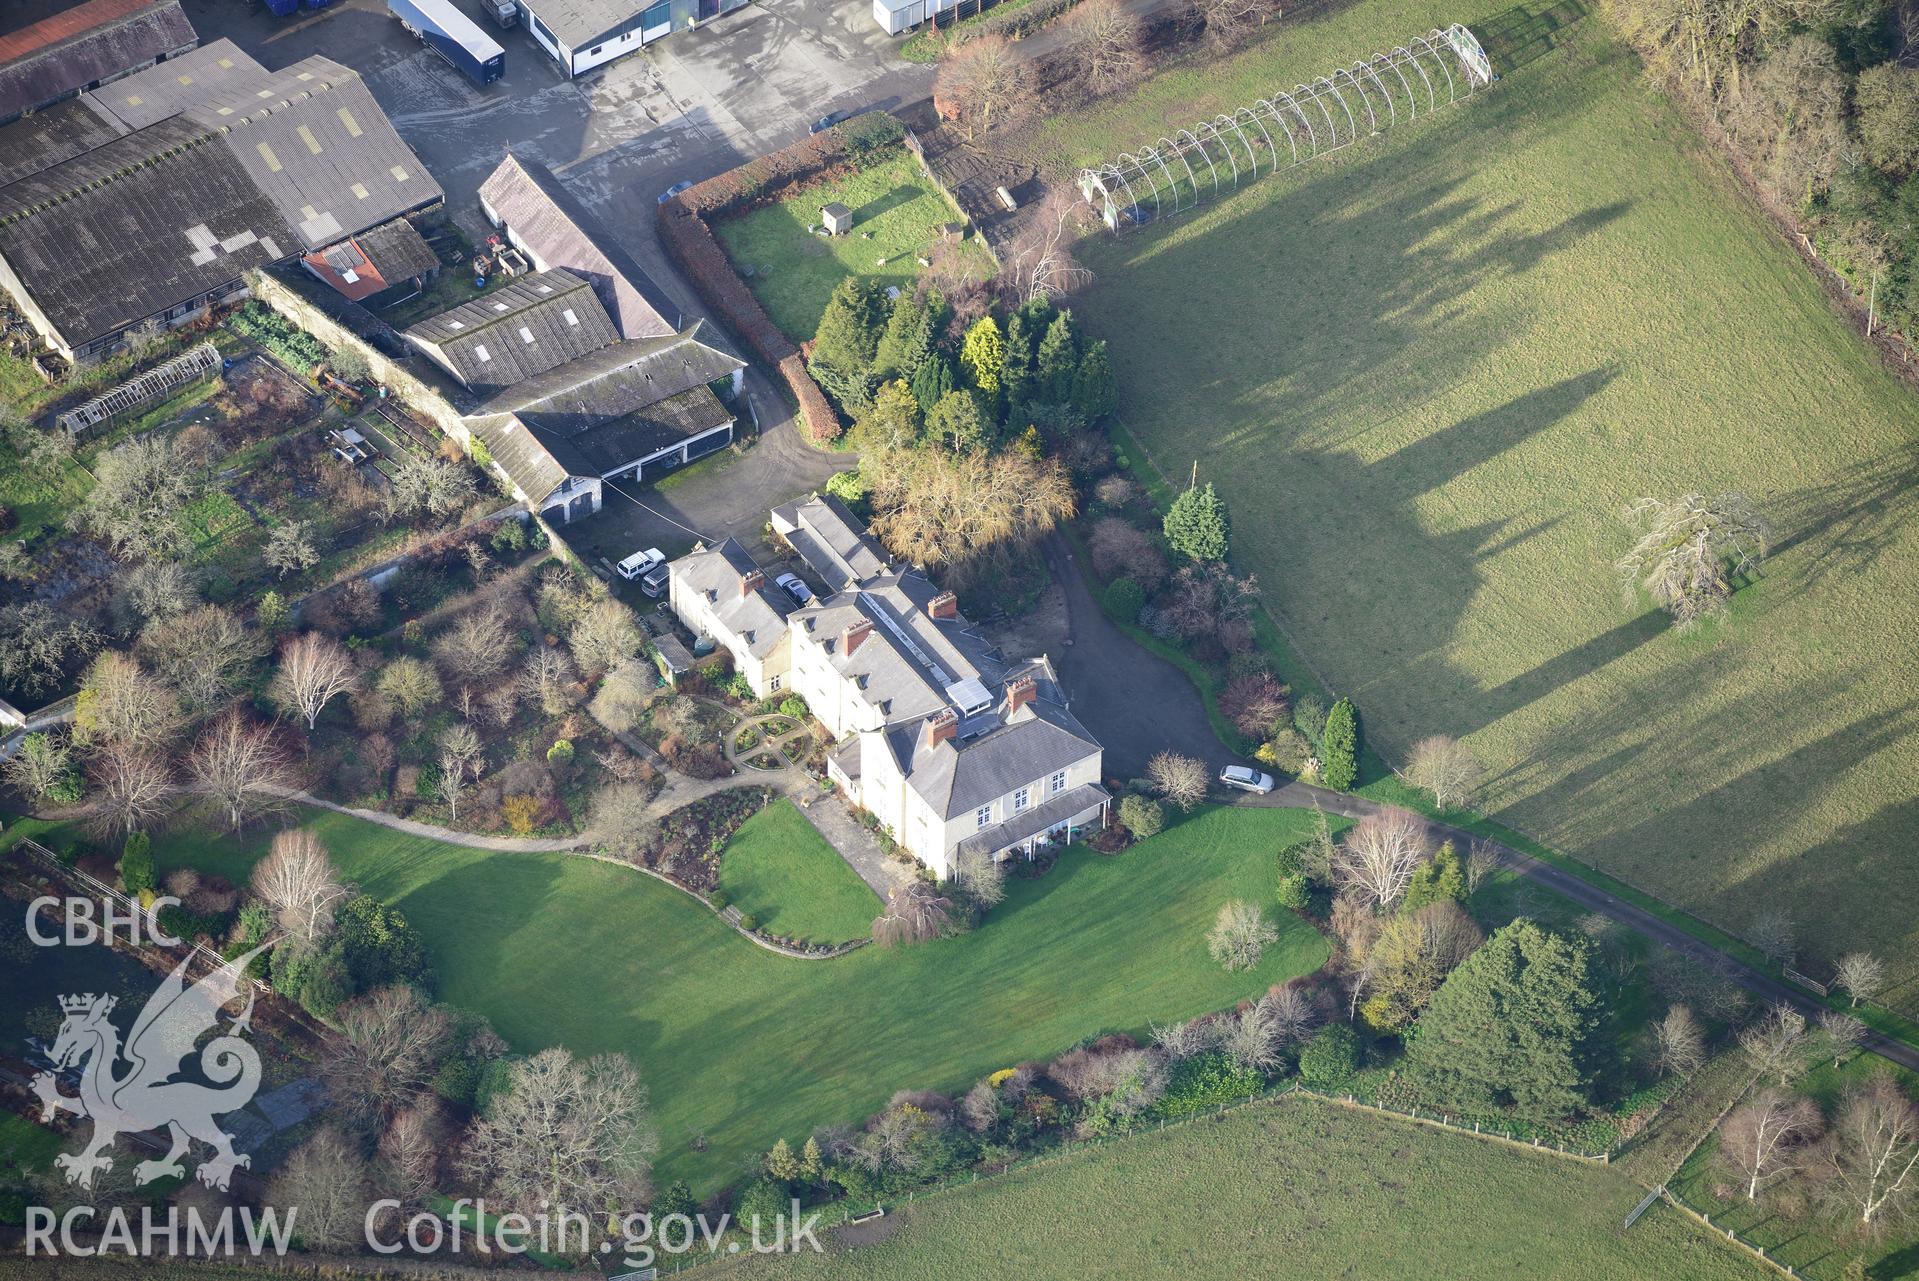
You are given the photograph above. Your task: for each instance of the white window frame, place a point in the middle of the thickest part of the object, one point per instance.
(1058, 783)
(773, 685)
(983, 816)
(1022, 798)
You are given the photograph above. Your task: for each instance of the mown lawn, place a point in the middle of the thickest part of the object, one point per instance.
(741, 1046)
(779, 870)
(1295, 1189)
(794, 272)
(1429, 372)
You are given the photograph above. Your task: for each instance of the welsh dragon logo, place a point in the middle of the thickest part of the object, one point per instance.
(145, 1094)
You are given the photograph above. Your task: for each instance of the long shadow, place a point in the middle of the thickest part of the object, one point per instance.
(901, 195)
(1526, 32)
(1851, 520)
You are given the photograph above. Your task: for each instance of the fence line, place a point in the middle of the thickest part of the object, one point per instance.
(1756, 1250)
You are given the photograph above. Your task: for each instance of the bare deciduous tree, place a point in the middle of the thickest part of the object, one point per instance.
(1180, 779)
(131, 789)
(574, 1134)
(604, 636)
(388, 1047)
(242, 765)
(459, 750)
(314, 670)
(1040, 262)
(1482, 860)
(297, 880)
(290, 549)
(204, 653)
(1775, 1043)
(942, 510)
(1380, 854)
(410, 1150)
(983, 880)
(1679, 1043)
(622, 820)
(1688, 549)
(1772, 933)
(914, 913)
(1107, 40)
(41, 763)
(325, 1181)
(411, 685)
(1252, 1040)
(546, 679)
(1860, 976)
(1182, 1041)
(984, 82)
(1443, 766)
(1841, 1034)
(1875, 1158)
(1768, 1138)
(120, 703)
(1227, 22)
(1239, 935)
(475, 647)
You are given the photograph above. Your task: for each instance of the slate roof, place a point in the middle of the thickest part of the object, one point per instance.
(517, 331)
(1034, 819)
(376, 259)
(559, 231)
(46, 138)
(136, 226)
(64, 52)
(577, 22)
(596, 448)
(756, 618)
(830, 539)
(907, 663)
(962, 775)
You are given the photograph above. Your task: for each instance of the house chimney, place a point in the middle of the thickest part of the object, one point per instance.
(751, 581)
(941, 727)
(1020, 693)
(855, 633)
(944, 605)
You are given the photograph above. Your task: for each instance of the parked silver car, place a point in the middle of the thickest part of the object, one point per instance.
(1246, 780)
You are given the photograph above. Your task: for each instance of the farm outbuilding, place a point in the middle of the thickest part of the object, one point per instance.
(895, 16)
(836, 218)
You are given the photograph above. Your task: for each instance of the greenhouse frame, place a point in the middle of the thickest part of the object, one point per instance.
(1176, 173)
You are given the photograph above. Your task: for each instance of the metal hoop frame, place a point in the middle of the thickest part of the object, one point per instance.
(1142, 186)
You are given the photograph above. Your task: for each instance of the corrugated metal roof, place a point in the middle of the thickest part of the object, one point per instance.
(136, 226)
(579, 22)
(149, 96)
(518, 330)
(94, 41)
(46, 138)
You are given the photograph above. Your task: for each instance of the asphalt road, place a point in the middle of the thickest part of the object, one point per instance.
(1137, 704)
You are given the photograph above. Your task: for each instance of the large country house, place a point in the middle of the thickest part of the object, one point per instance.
(954, 748)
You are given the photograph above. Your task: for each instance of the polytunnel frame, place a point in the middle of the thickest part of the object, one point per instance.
(1144, 185)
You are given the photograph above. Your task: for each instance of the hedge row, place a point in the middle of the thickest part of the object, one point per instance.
(696, 251)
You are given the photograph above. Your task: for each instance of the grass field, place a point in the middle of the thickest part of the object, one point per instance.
(741, 1046)
(780, 870)
(794, 272)
(1429, 372)
(1296, 1189)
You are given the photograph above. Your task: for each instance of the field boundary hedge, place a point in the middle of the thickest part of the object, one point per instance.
(689, 240)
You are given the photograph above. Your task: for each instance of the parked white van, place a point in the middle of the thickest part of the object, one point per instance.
(639, 564)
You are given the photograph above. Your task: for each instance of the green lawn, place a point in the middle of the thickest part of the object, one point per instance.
(1428, 374)
(1297, 1189)
(793, 272)
(741, 1046)
(780, 870)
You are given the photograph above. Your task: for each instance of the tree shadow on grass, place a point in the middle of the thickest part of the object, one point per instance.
(1848, 522)
(885, 204)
